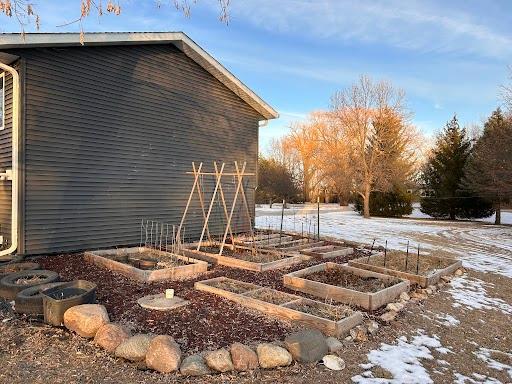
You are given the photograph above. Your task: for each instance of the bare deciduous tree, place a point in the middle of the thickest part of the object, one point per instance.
(506, 92)
(25, 12)
(302, 144)
(374, 121)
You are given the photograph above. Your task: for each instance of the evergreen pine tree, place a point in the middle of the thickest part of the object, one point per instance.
(442, 176)
(489, 169)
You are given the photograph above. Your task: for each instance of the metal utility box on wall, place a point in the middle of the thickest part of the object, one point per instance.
(108, 131)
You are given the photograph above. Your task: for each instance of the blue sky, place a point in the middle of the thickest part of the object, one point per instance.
(448, 56)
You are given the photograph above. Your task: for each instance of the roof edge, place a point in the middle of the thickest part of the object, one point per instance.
(179, 39)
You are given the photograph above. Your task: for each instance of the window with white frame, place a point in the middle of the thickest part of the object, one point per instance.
(2, 100)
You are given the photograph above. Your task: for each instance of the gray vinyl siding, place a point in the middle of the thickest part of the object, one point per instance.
(6, 163)
(110, 133)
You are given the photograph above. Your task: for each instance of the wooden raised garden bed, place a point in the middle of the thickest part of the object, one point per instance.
(146, 264)
(348, 285)
(427, 271)
(299, 246)
(334, 320)
(327, 251)
(246, 258)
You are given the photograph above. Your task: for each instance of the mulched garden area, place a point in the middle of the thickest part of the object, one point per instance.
(345, 279)
(208, 322)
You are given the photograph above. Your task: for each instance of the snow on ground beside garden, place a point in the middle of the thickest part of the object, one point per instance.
(485, 354)
(471, 293)
(447, 320)
(480, 379)
(486, 248)
(402, 360)
(506, 216)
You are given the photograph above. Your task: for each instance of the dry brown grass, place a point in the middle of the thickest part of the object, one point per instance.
(272, 296)
(326, 311)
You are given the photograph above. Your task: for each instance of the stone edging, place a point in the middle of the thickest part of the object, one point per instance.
(161, 353)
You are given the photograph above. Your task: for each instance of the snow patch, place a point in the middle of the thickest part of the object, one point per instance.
(485, 355)
(447, 320)
(402, 360)
(481, 379)
(471, 293)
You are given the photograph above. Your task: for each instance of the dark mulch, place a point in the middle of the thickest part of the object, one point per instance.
(209, 321)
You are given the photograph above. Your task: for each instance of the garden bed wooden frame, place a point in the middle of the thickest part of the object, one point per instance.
(286, 261)
(327, 251)
(294, 248)
(100, 258)
(368, 300)
(282, 311)
(421, 280)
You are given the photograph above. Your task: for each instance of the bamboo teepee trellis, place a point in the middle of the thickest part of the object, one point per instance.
(218, 192)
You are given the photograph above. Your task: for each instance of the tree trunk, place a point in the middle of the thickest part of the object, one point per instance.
(497, 220)
(452, 213)
(366, 202)
(270, 203)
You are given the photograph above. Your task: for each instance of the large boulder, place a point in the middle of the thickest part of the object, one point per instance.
(273, 356)
(86, 319)
(307, 346)
(219, 360)
(194, 365)
(134, 348)
(163, 355)
(110, 335)
(243, 357)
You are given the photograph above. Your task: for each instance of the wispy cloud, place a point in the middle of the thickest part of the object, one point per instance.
(414, 25)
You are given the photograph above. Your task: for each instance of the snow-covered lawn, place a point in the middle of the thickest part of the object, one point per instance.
(471, 293)
(402, 360)
(483, 247)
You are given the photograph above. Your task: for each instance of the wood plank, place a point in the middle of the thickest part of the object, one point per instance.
(327, 326)
(180, 272)
(303, 246)
(286, 261)
(367, 300)
(206, 286)
(273, 241)
(422, 281)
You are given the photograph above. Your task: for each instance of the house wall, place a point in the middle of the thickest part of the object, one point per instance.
(6, 163)
(110, 133)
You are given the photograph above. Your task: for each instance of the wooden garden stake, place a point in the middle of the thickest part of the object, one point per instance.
(318, 217)
(385, 253)
(211, 206)
(232, 209)
(223, 200)
(418, 261)
(407, 256)
(282, 217)
(246, 205)
(196, 176)
(141, 229)
(371, 250)
(201, 202)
